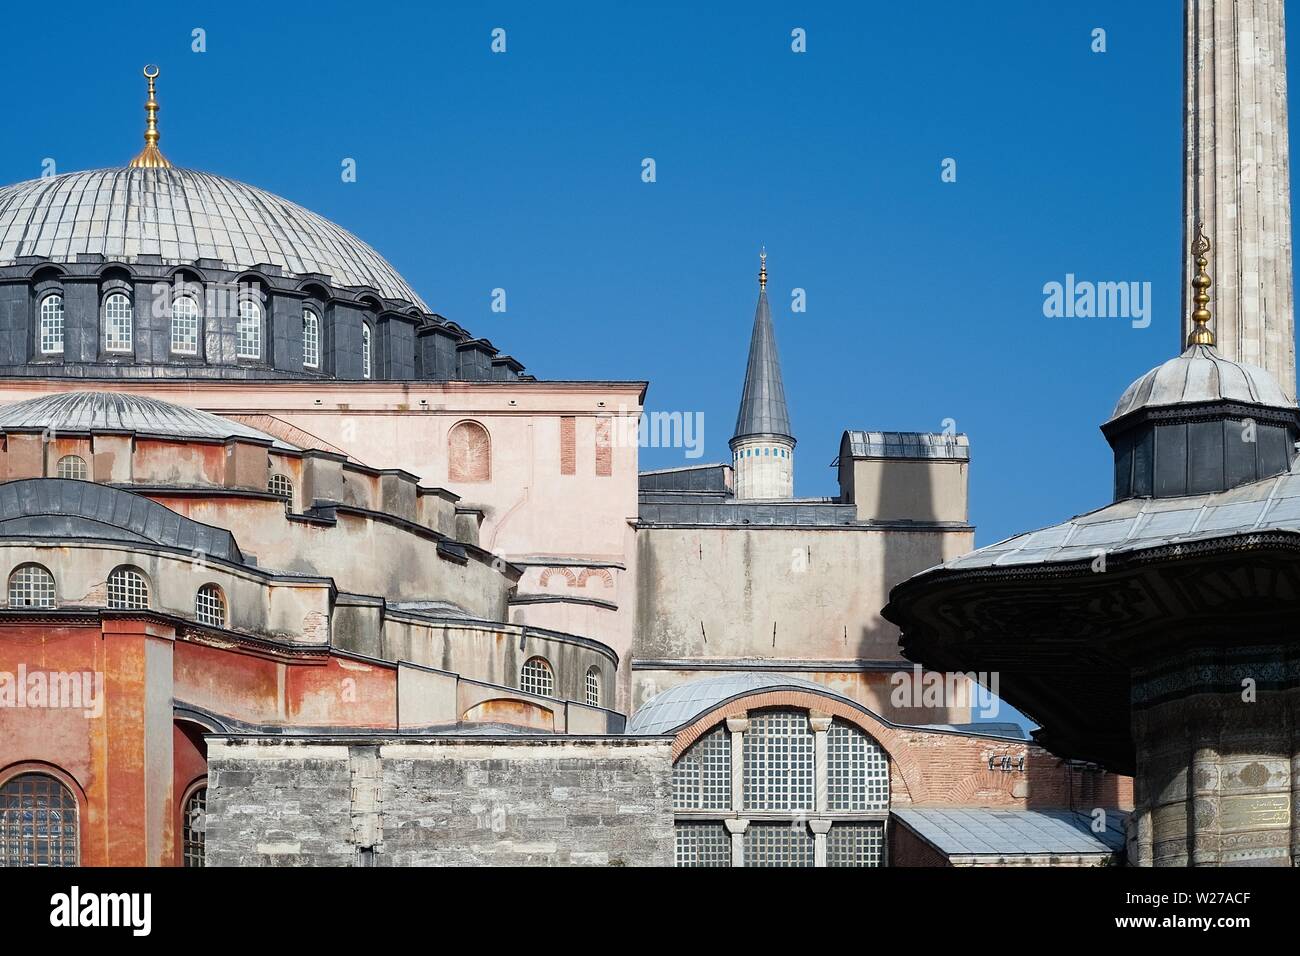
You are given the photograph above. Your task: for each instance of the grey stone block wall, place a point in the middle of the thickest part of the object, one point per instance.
(440, 801)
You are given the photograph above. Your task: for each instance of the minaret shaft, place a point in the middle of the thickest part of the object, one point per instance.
(1237, 178)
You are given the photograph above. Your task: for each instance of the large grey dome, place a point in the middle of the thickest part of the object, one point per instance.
(1201, 374)
(183, 215)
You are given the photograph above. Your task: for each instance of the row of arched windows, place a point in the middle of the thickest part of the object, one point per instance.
(537, 677)
(32, 586)
(39, 823)
(186, 320)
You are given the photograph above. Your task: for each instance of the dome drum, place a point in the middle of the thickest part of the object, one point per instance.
(401, 345)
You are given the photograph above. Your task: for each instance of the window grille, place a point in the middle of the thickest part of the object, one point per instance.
(778, 754)
(248, 339)
(194, 826)
(52, 325)
(185, 326)
(310, 340)
(779, 844)
(127, 589)
(280, 485)
(702, 775)
(855, 844)
(31, 586)
(210, 606)
(119, 319)
(73, 466)
(593, 687)
(38, 822)
(857, 770)
(537, 677)
(703, 844)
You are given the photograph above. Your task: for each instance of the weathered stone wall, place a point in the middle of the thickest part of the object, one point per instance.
(385, 801)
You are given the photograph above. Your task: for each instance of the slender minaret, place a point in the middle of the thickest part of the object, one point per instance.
(763, 448)
(1237, 179)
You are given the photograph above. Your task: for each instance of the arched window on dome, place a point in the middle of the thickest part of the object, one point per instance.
(185, 326)
(469, 453)
(536, 677)
(52, 325)
(119, 322)
(31, 585)
(593, 686)
(73, 467)
(310, 339)
(365, 351)
(127, 589)
(248, 333)
(210, 606)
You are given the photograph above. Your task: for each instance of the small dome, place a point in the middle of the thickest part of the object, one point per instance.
(80, 413)
(1201, 375)
(182, 215)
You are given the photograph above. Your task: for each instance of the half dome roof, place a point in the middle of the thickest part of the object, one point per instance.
(182, 215)
(1201, 374)
(79, 413)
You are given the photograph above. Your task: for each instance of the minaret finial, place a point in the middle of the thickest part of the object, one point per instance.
(1201, 333)
(150, 157)
(762, 268)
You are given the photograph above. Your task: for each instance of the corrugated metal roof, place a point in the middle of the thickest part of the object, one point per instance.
(990, 832)
(84, 412)
(762, 403)
(1201, 374)
(1135, 524)
(864, 444)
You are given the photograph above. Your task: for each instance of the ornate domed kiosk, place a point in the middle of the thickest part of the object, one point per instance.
(151, 271)
(1156, 636)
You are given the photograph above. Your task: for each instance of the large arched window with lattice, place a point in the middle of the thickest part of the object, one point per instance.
(119, 322)
(74, 467)
(469, 453)
(310, 339)
(248, 337)
(814, 791)
(185, 325)
(366, 351)
(38, 822)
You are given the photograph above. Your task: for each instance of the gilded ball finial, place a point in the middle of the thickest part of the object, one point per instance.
(150, 157)
(1201, 333)
(762, 267)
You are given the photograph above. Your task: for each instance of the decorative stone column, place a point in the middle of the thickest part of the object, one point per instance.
(819, 828)
(1237, 177)
(820, 724)
(737, 727)
(737, 830)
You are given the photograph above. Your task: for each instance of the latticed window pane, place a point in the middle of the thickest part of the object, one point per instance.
(593, 687)
(52, 324)
(248, 340)
(38, 822)
(703, 844)
(185, 326)
(127, 589)
(194, 826)
(280, 485)
(702, 775)
(31, 586)
(779, 762)
(210, 606)
(778, 844)
(855, 844)
(310, 340)
(857, 773)
(365, 351)
(537, 678)
(119, 319)
(73, 466)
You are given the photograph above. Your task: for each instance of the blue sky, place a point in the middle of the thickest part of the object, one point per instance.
(523, 171)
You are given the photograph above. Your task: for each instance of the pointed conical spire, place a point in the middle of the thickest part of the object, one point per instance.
(762, 403)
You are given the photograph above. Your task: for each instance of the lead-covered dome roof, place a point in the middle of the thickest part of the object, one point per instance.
(182, 215)
(1201, 374)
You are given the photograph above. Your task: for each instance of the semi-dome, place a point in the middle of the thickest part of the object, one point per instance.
(182, 215)
(81, 413)
(1201, 374)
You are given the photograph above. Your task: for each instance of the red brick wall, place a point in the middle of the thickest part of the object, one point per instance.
(908, 849)
(568, 445)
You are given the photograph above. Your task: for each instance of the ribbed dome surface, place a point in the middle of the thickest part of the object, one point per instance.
(83, 412)
(183, 215)
(1201, 375)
